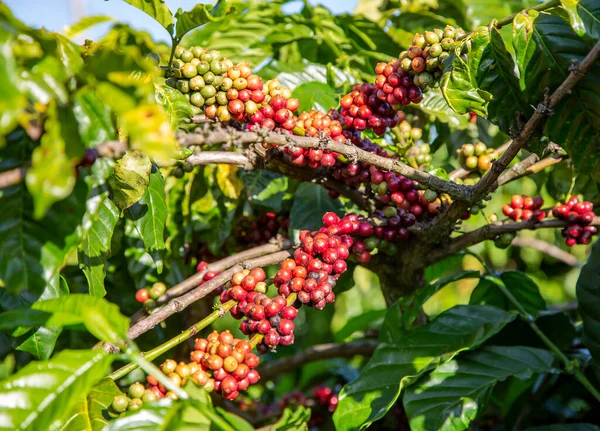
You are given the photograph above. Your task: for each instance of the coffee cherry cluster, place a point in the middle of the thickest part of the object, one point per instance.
(362, 108)
(199, 74)
(405, 133)
(325, 397)
(476, 157)
(241, 284)
(523, 207)
(425, 57)
(271, 317)
(136, 396)
(224, 363)
(255, 231)
(148, 297)
(395, 86)
(277, 112)
(316, 124)
(579, 215)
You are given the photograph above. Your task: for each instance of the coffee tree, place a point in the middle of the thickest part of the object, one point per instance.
(373, 220)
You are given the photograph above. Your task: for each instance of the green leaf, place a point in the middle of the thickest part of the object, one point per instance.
(396, 365)
(130, 179)
(265, 189)
(51, 177)
(94, 118)
(163, 414)
(41, 343)
(12, 100)
(150, 215)
(521, 286)
(411, 305)
(41, 394)
(589, 11)
(293, 420)
(158, 10)
(496, 75)
(89, 414)
(174, 103)
(546, 47)
(311, 201)
(588, 300)
(291, 77)
(100, 317)
(85, 23)
(459, 83)
(99, 225)
(315, 95)
(455, 393)
(200, 15)
(435, 105)
(33, 251)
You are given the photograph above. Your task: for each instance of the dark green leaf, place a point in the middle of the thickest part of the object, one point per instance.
(98, 225)
(546, 47)
(365, 320)
(455, 393)
(200, 15)
(315, 95)
(265, 189)
(521, 286)
(289, 76)
(396, 365)
(40, 396)
(130, 179)
(459, 83)
(496, 75)
(311, 201)
(33, 251)
(150, 216)
(588, 299)
(589, 12)
(41, 343)
(90, 413)
(158, 10)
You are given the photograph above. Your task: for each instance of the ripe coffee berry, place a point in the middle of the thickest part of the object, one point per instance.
(525, 208)
(579, 216)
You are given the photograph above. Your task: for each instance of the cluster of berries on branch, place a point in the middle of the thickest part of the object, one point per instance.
(424, 59)
(362, 109)
(523, 207)
(476, 157)
(395, 86)
(148, 297)
(579, 215)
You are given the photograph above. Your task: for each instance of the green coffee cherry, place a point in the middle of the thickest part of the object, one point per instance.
(449, 32)
(189, 70)
(183, 85)
(432, 37)
(197, 99)
(218, 81)
(135, 404)
(154, 57)
(171, 82)
(203, 67)
(150, 304)
(468, 150)
(371, 243)
(136, 390)
(446, 43)
(196, 110)
(148, 396)
(210, 101)
(406, 64)
(435, 50)
(187, 56)
(196, 83)
(480, 149)
(120, 403)
(390, 212)
(179, 50)
(209, 77)
(197, 51)
(187, 167)
(208, 91)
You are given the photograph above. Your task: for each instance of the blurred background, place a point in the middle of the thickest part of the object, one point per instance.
(55, 15)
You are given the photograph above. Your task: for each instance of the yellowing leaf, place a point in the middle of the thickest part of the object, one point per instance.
(130, 179)
(149, 131)
(228, 181)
